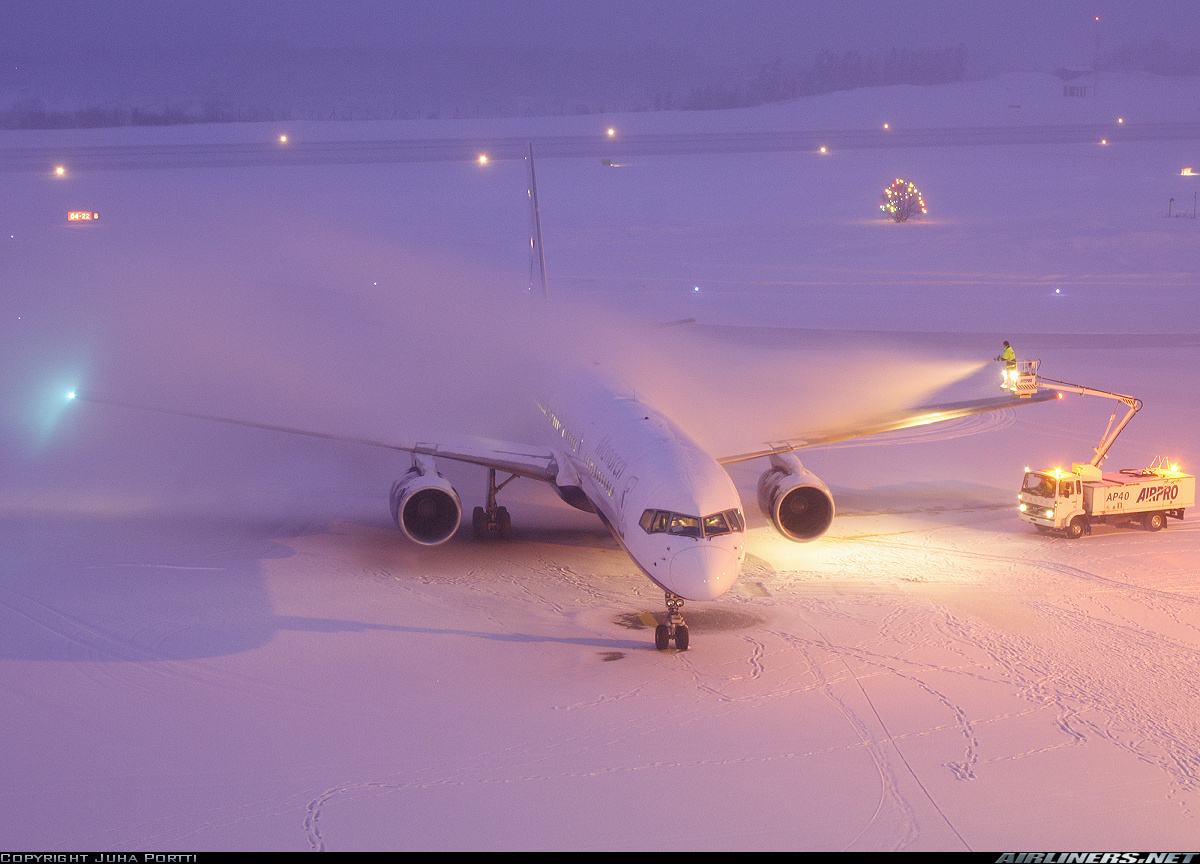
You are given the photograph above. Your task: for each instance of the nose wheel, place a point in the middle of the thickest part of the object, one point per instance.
(674, 629)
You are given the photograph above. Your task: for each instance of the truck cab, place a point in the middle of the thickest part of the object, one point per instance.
(1053, 501)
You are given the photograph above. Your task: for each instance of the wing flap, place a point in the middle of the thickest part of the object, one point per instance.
(520, 459)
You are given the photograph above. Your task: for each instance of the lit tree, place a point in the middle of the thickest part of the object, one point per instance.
(902, 200)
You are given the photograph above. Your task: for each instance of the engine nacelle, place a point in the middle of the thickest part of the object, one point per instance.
(795, 499)
(424, 504)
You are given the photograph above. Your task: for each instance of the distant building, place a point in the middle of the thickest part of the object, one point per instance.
(1083, 87)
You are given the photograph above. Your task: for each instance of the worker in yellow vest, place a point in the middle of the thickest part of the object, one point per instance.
(1009, 356)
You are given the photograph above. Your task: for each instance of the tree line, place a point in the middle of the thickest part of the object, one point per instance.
(830, 71)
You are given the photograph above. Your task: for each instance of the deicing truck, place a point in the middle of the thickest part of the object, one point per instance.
(1072, 501)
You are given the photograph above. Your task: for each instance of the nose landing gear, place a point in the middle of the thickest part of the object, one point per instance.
(674, 629)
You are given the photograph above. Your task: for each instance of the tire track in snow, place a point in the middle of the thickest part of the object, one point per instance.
(1107, 676)
(892, 803)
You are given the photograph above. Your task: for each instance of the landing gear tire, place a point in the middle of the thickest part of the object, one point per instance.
(1154, 521)
(485, 520)
(662, 637)
(675, 629)
(681, 637)
(1075, 529)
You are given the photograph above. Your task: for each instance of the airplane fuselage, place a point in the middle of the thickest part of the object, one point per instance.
(669, 503)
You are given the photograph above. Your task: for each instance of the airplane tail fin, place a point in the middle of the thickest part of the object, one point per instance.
(537, 257)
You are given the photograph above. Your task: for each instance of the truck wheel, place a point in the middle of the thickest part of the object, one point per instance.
(1154, 521)
(1075, 529)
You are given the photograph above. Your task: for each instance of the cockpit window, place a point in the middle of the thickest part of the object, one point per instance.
(685, 526)
(666, 522)
(716, 524)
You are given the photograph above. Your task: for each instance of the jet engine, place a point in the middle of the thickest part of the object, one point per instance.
(424, 504)
(795, 499)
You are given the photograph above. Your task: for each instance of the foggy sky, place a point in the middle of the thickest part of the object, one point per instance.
(40, 32)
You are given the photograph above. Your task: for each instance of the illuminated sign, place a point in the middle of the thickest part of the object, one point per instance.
(82, 216)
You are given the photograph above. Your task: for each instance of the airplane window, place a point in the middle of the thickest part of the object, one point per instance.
(655, 521)
(716, 524)
(685, 526)
(664, 522)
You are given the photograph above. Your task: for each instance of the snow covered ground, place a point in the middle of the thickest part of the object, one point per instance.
(212, 637)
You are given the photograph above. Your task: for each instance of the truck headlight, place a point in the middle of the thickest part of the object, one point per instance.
(1049, 514)
(1024, 507)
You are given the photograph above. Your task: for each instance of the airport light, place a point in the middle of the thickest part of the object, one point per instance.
(611, 132)
(60, 170)
(886, 126)
(824, 150)
(282, 139)
(1187, 172)
(1103, 140)
(483, 159)
(1120, 120)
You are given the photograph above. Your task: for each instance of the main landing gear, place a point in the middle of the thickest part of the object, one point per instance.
(485, 520)
(674, 629)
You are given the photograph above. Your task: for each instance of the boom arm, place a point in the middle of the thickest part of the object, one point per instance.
(1110, 434)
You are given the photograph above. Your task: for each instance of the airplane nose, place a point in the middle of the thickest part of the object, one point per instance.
(703, 572)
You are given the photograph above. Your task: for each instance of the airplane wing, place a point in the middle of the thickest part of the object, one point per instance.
(891, 422)
(524, 460)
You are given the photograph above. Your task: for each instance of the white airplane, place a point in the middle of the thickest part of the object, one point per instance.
(670, 504)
